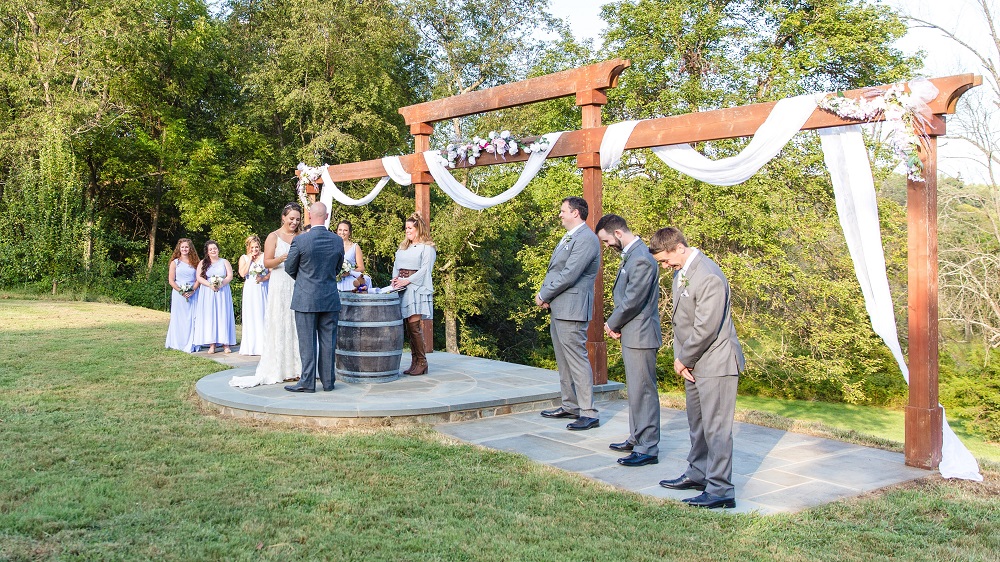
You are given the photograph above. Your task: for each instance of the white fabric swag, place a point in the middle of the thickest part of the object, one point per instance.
(850, 170)
(847, 159)
(438, 166)
(392, 166)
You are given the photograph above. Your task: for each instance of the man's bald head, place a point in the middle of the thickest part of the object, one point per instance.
(317, 214)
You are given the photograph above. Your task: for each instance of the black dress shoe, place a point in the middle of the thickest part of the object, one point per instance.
(624, 447)
(297, 388)
(584, 423)
(710, 501)
(682, 482)
(638, 459)
(558, 413)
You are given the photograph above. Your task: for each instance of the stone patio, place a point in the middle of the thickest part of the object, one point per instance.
(496, 405)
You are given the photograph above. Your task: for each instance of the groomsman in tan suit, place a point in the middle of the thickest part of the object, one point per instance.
(708, 355)
(568, 293)
(635, 321)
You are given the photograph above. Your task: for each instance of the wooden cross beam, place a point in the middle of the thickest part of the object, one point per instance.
(923, 415)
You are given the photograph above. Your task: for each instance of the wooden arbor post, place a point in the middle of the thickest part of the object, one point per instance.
(588, 84)
(923, 415)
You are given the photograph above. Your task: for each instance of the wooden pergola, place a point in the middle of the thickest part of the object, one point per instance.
(923, 436)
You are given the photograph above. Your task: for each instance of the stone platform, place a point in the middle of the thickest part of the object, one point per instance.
(496, 405)
(457, 387)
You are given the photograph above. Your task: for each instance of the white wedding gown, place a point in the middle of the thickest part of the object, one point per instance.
(279, 360)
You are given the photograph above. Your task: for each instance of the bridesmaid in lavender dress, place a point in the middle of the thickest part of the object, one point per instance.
(251, 266)
(215, 323)
(182, 278)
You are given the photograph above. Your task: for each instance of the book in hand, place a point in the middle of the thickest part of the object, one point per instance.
(391, 289)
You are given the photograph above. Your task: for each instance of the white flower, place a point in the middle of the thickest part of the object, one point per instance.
(513, 149)
(894, 112)
(493, 135)
(505, 135)
(472, 160)
(491, 149)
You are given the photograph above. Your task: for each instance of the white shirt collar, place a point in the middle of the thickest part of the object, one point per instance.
(687, 262)
(573, 230)
(630, 244)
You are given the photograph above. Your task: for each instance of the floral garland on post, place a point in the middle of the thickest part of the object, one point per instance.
(904, 113)
(307, 176)
(501, 144)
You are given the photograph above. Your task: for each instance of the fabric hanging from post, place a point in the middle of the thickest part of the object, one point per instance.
(330, 191)
(847, 159)
(850, 170)
(438, 167)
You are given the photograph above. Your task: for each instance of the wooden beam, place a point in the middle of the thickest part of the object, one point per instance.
(690, 128)
(923, 430)
(598, 76)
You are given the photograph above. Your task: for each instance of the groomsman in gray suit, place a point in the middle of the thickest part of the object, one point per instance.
(635, 321)
(314, 259)
(568, 293)
(708, 355)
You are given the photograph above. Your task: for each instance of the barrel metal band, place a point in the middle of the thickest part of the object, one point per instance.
(370, 324)
(369, 353)
(370, 303)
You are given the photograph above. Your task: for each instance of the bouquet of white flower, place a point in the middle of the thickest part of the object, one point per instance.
(345, 270)
(257, 269)
(216, 281)
(185, 288)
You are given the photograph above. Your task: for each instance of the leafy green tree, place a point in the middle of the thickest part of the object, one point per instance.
(776, 235)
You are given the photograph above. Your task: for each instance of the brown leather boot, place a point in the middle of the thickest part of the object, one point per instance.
(409, 337)
(419, 366)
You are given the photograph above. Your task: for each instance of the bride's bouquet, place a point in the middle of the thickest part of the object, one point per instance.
(345, 270)
(257, 269)
(185, 288)
(215, 281)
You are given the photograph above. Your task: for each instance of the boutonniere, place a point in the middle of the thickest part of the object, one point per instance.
(624, 258)
(683, 282)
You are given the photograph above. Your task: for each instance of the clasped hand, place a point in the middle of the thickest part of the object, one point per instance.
(683, 371)
(611, 333)
(399, 283)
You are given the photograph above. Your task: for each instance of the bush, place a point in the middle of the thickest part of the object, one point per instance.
(970, 390)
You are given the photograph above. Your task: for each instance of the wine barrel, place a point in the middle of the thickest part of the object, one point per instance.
(369, 337)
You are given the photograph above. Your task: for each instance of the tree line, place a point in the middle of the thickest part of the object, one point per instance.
(127, 125)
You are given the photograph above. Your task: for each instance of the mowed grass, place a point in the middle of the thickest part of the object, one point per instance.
(106, 455)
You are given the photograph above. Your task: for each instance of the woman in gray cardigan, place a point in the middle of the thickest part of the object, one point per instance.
(412, 271)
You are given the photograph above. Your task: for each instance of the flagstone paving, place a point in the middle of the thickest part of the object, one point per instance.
(496, 405)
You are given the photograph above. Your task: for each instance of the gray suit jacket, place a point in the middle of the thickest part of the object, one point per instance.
(704, 336)
(314, 260)
(569, 282)
(637, 296)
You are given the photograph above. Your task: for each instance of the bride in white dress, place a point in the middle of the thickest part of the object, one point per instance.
(279, 360)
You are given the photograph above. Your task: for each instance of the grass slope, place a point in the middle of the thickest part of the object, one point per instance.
(104, 455)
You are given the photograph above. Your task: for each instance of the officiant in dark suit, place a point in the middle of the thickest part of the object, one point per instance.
(314, 260)
(708, 355)
(568, 292)
(635, 322)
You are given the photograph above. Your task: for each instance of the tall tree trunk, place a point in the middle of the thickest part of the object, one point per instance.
(157, 199)
(450, 315)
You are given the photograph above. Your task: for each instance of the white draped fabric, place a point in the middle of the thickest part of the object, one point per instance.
(847, 159)
(785, 120)
(330, 192)
(394, 168)
(438, 166)
(850, 170)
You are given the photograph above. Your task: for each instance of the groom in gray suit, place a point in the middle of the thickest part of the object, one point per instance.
(568, 293)
(635, 321)
(708, 355)
(314, 259)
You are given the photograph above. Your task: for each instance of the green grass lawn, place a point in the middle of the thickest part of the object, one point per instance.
(105, 455)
